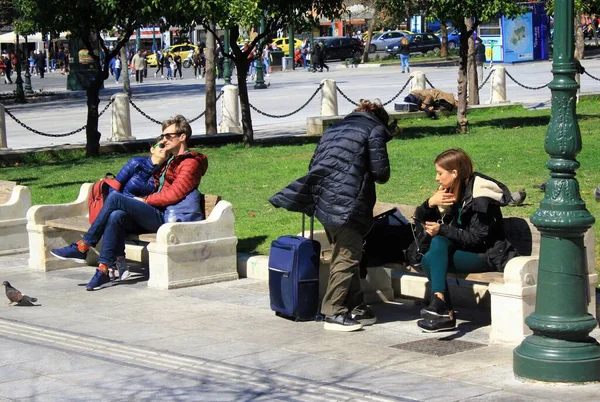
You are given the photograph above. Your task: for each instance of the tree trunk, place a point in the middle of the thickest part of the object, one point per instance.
(461, 112)
(365, 57)
(125, 71)
(241, 68)
(210, 118)
(92, 135)
(579, 41)
(472, 68)
(444, 47)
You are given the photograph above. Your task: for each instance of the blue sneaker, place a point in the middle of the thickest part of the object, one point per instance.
(98, 281)
(70, 253)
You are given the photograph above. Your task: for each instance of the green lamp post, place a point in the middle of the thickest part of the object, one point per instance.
(226, 62)
(291, 46)
(560, 349)
(260, 79)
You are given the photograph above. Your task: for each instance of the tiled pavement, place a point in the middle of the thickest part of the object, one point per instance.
(221, 342)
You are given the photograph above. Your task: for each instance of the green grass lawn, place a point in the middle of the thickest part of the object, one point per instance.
(505, 143)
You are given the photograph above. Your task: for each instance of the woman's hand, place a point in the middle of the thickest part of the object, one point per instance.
(432, 228)
(441, 198)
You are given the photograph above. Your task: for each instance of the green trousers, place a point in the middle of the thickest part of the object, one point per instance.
(443, 257)
(343, 289)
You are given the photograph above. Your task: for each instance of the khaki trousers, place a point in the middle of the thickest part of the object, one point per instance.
(343, 289)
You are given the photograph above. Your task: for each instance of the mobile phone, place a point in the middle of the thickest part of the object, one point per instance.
(414, 218)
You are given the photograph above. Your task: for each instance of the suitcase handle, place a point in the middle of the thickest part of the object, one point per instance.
(312, 225)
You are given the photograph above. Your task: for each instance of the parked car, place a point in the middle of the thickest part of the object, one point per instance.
(380, 41)
(341, 47)
(183, 49)
(283, 44)
(417, 43)
(453, 38)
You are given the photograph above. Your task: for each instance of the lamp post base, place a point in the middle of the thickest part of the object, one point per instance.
(557, 360)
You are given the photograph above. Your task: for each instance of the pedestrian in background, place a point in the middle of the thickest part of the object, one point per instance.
(479, 58)
(138, 66)
(159, 63)
(117, 68)
(177, 60)
(41, 63)
(8, 69)
(404, 54)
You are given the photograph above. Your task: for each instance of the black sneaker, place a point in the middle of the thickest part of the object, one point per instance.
(437, 326)
(341, 322)
(364, 315)
(436, 311)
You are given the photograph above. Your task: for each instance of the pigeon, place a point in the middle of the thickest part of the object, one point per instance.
(542, 186)
(597, 193)
(518, 197)
(17, 297)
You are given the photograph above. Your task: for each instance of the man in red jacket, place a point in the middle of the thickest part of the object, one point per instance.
(120, 214)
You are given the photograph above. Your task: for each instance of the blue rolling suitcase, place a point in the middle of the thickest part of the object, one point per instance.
(294, 276)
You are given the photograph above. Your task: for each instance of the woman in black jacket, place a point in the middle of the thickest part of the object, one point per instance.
(339, 190)
(464, 219)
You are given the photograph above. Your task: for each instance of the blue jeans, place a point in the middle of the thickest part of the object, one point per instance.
(117, 74)
(119, 216)
(404, 61)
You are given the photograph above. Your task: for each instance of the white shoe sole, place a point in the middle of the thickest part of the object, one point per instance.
(126, 275)
(430, 315)
(77, 260)
(366, 322)
(329, 326)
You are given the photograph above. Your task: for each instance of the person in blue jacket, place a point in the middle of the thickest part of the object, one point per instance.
(137, 180)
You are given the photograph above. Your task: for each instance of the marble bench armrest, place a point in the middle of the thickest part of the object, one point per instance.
(39, 214)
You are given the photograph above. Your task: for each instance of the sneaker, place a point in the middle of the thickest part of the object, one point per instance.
(341, 322)
(70, 253)
(436, 311)
(364, 315)
(437, 326)
(123, 269)
(98, 281)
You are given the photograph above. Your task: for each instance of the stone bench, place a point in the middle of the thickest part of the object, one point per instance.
(318, 125)
(510, 294)
(15, 200)
(178, 254)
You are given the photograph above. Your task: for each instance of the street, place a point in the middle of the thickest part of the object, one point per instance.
(287, 91)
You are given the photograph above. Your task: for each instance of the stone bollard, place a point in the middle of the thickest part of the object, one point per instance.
(3, 144)
(418, 81)
(498, 85)
(329, 103)
(230, 110)
(120, 119)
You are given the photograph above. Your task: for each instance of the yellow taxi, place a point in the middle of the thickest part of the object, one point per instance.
(284, 44)
(184, 49)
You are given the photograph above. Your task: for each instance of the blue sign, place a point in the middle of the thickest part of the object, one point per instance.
(518, 39)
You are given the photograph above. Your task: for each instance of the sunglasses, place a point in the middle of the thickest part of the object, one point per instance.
(168, 136)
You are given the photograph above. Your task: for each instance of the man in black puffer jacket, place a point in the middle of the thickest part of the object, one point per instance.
(339, 190)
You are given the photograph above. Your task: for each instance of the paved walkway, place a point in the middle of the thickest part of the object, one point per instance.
(221, 342)
(288, 91)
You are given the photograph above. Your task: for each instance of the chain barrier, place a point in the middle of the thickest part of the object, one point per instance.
(203, 113)
(136, 107)
(486, 80)
(33, 130)
(281, 116)
(346, 96)
(524, 86)
(142, 113)
(399, 92)
(591, 76)
(429, 82)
